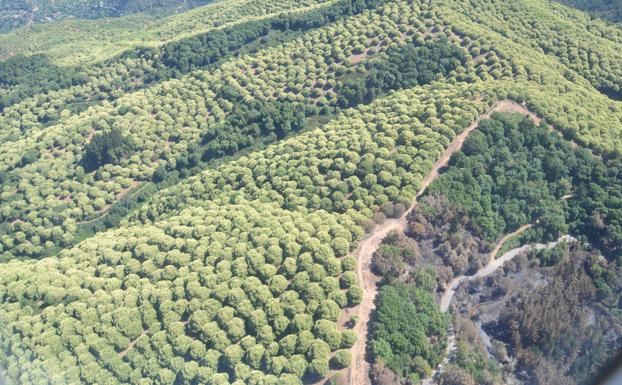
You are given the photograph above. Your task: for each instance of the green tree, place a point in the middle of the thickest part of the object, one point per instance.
(341, 359)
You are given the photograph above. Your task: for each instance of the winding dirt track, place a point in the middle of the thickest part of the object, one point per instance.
(359, 370)
(493, 265)
(490, 268)
(500, 243)
(131, 345)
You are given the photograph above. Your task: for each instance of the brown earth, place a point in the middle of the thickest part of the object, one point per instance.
(360, 365)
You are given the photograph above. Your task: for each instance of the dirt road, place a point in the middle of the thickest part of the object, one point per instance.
(490, 268)
(500, 243)
(368, 281)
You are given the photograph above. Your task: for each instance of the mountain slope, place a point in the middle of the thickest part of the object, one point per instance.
(607, 9)
(17, 13)
(78, 41)
(188, 212)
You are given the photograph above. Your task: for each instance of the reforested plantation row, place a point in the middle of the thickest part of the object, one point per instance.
(587, 47)
(138, 68)
(596, 64)
(405, 67)
(199, 51)
(376, 154)
(228, 293)
(172, 59)
(82, 97)
(79, 41)
(118, 185)
(235, 168)
(170, 120)
(562, 91)
(153, 71)
(156, 64)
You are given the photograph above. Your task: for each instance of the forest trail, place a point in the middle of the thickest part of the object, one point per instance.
(493, 264)
(490, 268)
(513, 107)
(500, 243)
(360, 368)
(133, 187)
(131, 345)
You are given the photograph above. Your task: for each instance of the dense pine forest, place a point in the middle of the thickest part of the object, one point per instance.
(310, 191)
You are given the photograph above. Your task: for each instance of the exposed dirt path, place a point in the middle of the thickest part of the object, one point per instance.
(495, 251)
(357, 58)
(513, 107)
(120, 195)
(131, 345)
(360, 366)
(490, 268)
(493, 265)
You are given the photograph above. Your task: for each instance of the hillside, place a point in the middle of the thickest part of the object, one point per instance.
(74, 42)
(17, 13)
(607, 9)
(203, 198)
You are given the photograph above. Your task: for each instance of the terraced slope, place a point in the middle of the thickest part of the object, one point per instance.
(170, 120)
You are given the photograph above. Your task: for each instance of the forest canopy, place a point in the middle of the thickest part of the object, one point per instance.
(182, 198)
